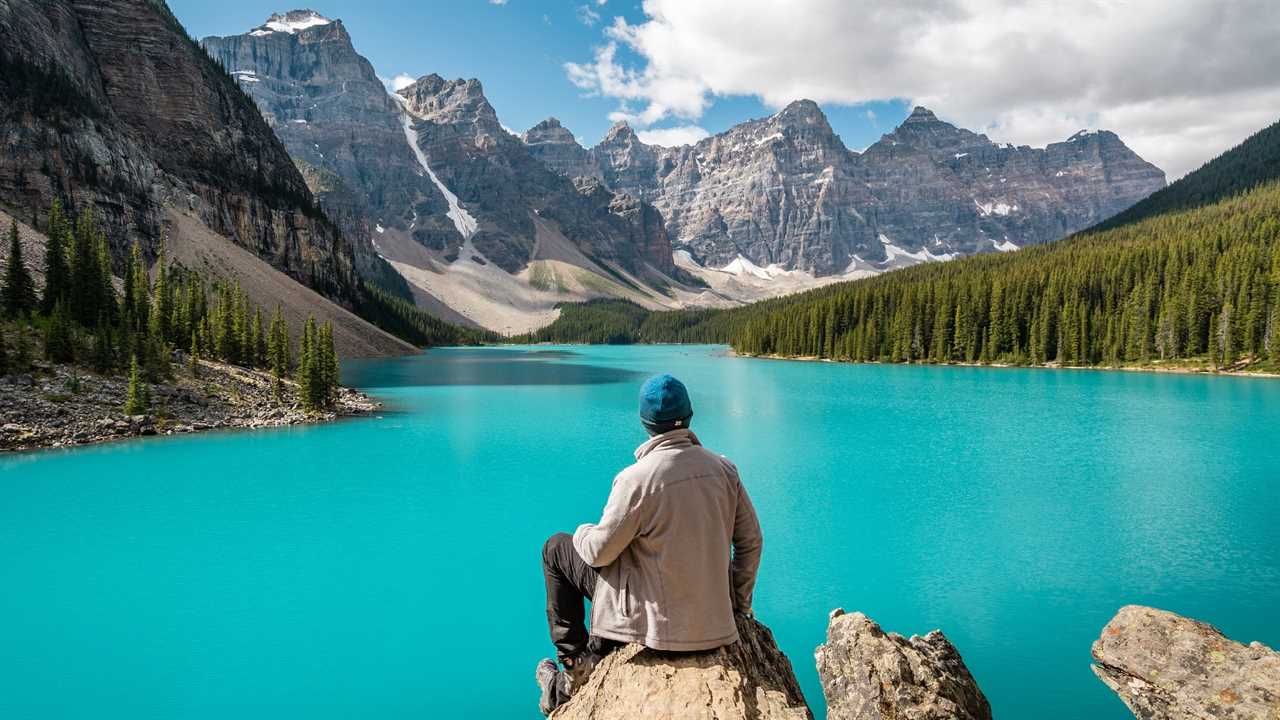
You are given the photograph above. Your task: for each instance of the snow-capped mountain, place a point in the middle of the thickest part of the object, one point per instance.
(785, 192)
(480, 230)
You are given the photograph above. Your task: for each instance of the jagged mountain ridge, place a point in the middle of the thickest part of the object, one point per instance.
(784, 191)
(461, 208)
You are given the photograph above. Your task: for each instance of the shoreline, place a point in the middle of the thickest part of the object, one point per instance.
(1154, 369)
(61, 406)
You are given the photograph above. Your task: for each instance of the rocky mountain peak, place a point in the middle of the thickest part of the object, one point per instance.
(920, 114)
(291, 23)
(432, 97)
(801, 111)
(549, 131)
(620, 133)
(923, 130)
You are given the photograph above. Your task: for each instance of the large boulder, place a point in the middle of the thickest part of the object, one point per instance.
(749, 680)
(868, 674)
(1168, 667)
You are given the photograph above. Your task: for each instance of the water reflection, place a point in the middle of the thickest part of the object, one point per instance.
(483, 366)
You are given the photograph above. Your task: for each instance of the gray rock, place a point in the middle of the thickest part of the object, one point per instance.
(785, 190)
(749, 680)
(868, 674)
(326, 103)
(150, 118)
(1168, 667)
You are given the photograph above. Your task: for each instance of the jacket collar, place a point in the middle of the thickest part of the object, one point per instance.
(681, 438)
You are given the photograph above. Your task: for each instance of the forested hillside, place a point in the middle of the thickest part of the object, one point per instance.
(1251, 163)
(1193, 280)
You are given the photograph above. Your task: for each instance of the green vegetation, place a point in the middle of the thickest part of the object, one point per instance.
(136, 400)
(82, 319)
(404, 320)
(1191, 279)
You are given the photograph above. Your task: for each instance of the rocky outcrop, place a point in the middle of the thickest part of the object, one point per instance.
(1168, 667)
(785, 191)
(749, 680)
(110, 106)
(868, 674)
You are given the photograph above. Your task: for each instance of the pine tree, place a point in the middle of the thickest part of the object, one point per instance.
(327, 362)
(162, 301)
(141, 290)
(18, 292)
(103, 355)
(136, 401)
(59, 340)
(57, 276)
(278, 351)
(307, 366)
(86, 274)
(4, 353)
(193, 355)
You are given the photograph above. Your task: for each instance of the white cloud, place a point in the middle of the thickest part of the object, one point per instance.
(673, 136)
(497, 2)
(1180, 81)
(587, 15)
(397, 83)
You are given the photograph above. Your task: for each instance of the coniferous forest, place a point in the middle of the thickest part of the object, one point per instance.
(82, 318)
(1192, 278)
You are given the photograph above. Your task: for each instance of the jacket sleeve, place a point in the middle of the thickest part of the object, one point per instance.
(747, 545)
(601, 543)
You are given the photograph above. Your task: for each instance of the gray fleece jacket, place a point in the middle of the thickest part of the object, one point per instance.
(668, 578)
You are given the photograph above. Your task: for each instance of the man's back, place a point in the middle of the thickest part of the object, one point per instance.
(668, 578)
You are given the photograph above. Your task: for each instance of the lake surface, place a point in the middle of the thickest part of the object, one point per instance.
(389, 567)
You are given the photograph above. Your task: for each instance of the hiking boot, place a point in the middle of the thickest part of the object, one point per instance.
(548, 677)
(577, 669)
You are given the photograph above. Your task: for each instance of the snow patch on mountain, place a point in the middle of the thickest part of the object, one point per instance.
(995, 207)
(462, 220)
(291, 22)
(1005, 246)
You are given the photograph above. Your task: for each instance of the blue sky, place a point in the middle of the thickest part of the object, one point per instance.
(518, 50)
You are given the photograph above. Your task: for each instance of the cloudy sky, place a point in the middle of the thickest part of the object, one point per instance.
(1179, 80)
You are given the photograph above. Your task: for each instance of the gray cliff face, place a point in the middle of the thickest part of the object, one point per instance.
(1167, 667)
(348, 135)
(326, 104)
(496, 176)
(111, 106)
(785, 189)
(868, 674)
(555, 146)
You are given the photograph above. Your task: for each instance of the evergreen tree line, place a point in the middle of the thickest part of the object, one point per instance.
(1200, 286)
(404, 320)
(84, 319)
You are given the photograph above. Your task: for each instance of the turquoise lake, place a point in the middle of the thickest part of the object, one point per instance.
(388, 567)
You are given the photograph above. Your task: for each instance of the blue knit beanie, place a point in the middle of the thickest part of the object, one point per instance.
(664, 404)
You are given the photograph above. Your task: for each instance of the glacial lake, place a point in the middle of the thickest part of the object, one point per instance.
(388, 567)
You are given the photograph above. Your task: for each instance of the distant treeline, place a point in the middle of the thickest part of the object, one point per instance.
(404, 320)
(1192, 277)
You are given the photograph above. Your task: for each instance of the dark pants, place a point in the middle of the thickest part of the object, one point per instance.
(570, 584)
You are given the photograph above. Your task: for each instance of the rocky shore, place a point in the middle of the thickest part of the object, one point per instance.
(1163, 666)
(61, 405)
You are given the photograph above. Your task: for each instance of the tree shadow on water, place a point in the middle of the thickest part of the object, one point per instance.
(484, 367)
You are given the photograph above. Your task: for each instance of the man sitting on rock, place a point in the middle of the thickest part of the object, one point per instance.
(673, 557)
